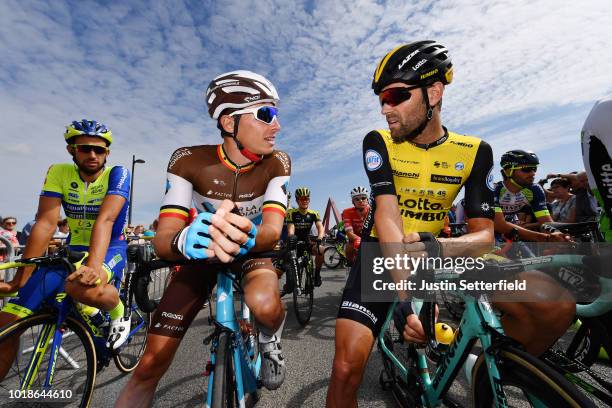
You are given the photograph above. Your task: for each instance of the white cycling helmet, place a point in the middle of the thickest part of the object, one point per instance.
(358, 191)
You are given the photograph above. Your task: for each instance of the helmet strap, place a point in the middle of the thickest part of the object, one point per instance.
(243, 150)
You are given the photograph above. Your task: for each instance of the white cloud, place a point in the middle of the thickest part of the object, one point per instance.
(142, 70)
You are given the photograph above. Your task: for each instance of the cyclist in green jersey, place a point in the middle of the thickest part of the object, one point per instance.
(95, 200)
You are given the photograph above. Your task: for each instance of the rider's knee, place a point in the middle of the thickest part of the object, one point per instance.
(347, 373)
(269, 311)
(556, 316)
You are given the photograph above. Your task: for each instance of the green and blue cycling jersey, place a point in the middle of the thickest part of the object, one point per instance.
(81, 202)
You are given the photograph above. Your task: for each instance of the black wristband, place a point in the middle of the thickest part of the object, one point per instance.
(432, 245)
(175, 241)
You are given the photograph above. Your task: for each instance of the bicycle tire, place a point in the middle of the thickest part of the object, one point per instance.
(223, 380)
(531, 376)
(80, 342)
(129, 355)
(303, 290)
(331, 257)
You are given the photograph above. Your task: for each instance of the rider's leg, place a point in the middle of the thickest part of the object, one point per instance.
(104, 296)
(317, 251)
(41, 285)
(350, 252)
(354, 343)
(260, 285)
(538, 322)
(181, 302)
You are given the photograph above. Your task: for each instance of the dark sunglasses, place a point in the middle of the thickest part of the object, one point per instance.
(360, 198)
(395, 96)
(10, 222)
(528, 169)
(85, 148)
(265, 114)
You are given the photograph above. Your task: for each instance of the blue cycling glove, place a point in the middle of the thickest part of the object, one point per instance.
(247, 246)
(191, 240)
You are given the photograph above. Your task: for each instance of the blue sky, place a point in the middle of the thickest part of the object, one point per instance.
(526, 76)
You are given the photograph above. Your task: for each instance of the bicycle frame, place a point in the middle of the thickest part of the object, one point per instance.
(246, 371)
(479, 322)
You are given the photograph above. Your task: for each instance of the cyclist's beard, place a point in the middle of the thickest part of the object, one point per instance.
(408, 125)
(87, 170)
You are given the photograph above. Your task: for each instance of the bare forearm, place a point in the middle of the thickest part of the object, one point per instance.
(163, 245)
(267, 237)
(100, 239)
(472, 244)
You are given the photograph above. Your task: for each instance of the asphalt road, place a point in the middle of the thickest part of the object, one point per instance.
(309, 353)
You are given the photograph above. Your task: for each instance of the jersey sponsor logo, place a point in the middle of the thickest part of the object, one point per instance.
(94, 201)
(430, 73)
(74, 185)
(440, 178)
(246, 195)
(438, 164)
(459, 166)
(249, 210)
(219, 182)
(420, 204)
(284, 160)
(405, 161)
(124, 175)
(381, 184)
(373, 160)
(362, 309)
(97, 190)
(405, 174)
(180, 153)
(172, 316)
(490, 183)
(606, 179)
(408, 58)
(462, 144)
(422, 215)
(74, 196)
(486, 207)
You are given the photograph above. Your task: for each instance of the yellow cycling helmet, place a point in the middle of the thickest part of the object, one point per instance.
(302, 192)
(88, 128)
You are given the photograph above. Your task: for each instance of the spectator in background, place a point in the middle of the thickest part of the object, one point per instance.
(9, 231)
(586, 204)
(153, 226)
(62, 229)
(564, 206)
(139, 230)
(26, 231)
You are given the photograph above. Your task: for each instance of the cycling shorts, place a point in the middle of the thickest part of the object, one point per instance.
(188, 290)
(370, 314)
(46, 282)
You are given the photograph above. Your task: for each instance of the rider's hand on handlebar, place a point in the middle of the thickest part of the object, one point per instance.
(559, 236)
(86, 275)
(412, 331)
(232, 234)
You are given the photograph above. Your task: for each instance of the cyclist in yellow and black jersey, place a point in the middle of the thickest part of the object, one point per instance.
(299, 223)
(416, 168)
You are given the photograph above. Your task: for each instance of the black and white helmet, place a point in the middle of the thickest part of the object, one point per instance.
(238, 90)
(359, 191)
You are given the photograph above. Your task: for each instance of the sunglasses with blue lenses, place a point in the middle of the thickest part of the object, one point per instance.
(265, 114)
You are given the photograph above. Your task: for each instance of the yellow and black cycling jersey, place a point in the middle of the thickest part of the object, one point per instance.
(427, 178)
(302, 220)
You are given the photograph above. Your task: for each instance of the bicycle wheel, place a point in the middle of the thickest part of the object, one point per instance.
(525, 378)
(331, 257)
(223, 381)
(75, 365)
(130, 353)
(303, 290)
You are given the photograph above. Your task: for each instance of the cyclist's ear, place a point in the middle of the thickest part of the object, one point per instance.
(70, 150)
(227, 123)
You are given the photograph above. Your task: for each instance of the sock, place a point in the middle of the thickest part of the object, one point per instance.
(116, 312)
(266, 337)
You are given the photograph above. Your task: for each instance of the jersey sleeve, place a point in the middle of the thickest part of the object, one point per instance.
(289, 217)
(119, 182)
(52, 186)
(179, 190)
(377, 165)
(538, 205)
(479, 185)
(347, 220)
(275, 197)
